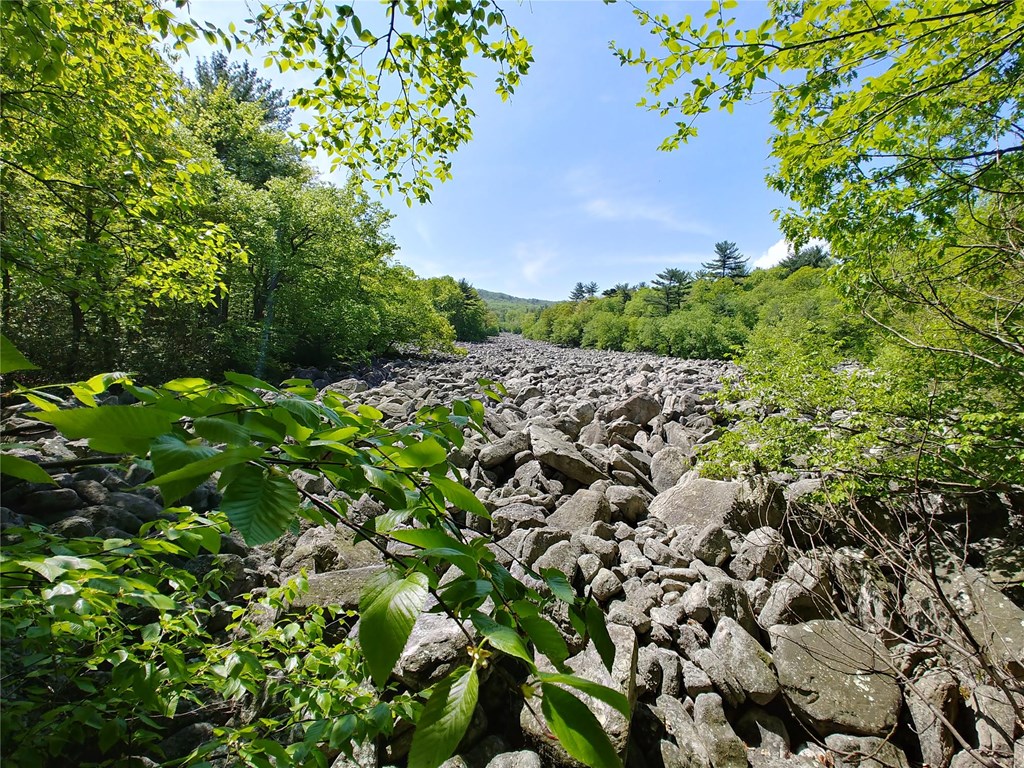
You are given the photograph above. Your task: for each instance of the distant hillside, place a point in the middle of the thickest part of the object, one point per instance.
(510, 310)
(493, 297)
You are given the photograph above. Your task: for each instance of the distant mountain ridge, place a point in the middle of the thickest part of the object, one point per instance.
(494, 297)
(512, 311)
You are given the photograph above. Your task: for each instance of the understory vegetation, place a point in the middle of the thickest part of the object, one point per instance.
(173, 227)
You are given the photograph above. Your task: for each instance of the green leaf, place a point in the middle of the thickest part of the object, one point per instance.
(505, 639)
(426, 453)
(23, 469)
(599, 634)
(445, 719)
(169, 453)
(461, 497)
(389, 607)
(546, 637)
(259, 503)
(222, 431)
(392, 490)
(589, 687)
(113, 421)
(558, 584)
(578, 731)
(245, 380)
(436, 542)
(11, 359)
(174, 485)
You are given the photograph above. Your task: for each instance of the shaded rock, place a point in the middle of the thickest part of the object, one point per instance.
(711, 545)
(638, 409)
(763, 732)
(506, 518)
(934, 695)
(340, 588)
(524, 758)
(589, 666)
(722, 744)
(804, 593)
(750, 664)
(496, 453)
(668, 465)
(759, 554)
(691, 749)
(435, 647)
(865, 752)
(836, 676)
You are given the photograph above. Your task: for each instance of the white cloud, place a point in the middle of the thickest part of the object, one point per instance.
(778, 251)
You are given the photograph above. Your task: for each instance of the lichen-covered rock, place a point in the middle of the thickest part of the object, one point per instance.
(699, 502)
(750, 664)
(837, 677)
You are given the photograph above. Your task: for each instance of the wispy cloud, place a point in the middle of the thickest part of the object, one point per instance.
(639, 209)
(534, 260)
(590, 187)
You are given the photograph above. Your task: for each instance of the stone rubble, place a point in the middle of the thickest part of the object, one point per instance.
(736, 645)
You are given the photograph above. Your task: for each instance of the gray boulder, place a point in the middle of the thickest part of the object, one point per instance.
(865, 752)
(668, 465)
(581, 511)
(839, 678)
(750, 664)
(554, 450)
(721, 742)
(697, 501)
(500, 451)
(589, 666)
(759, 554)
(932, 697)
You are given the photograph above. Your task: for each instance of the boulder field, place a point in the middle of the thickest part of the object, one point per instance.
(741, 638)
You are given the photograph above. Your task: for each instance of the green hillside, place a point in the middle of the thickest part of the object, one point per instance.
(511, 310)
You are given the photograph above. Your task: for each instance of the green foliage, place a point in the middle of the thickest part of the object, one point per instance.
(121, 629)
(709, 318)
(512, 313)
(461, 305)
(898, 141)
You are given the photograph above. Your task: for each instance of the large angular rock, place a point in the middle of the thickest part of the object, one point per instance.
(668, 465)
(750, 664)
(721, 742)
(680, 725)
(581, 511)
(699, 502)
(589, 666)
(553, 449)
(865, 752)
(500, 451)
(328, 548)
(760, 552)
(638, 409)
(436, 646)
(341, 588)
(931, 698)
(804, 593)
(839, 678)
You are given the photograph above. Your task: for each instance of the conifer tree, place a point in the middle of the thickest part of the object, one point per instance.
(727, 261)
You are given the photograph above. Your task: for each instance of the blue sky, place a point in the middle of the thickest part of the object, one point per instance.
(564, 182)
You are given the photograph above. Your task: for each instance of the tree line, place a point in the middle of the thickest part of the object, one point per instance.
(193, 238)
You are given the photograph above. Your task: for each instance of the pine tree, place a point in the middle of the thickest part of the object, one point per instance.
(728, 261)
(590, 289)
(672, 285)
(578, 293)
